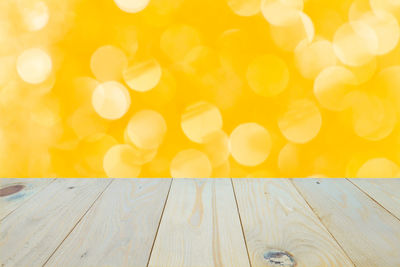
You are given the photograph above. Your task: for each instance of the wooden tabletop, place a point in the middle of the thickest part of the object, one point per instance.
(200, 222)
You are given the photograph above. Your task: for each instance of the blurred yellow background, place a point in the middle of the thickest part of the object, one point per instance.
(199, 88)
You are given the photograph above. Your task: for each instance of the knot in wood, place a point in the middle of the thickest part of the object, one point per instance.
(9, 190)
(279, 258)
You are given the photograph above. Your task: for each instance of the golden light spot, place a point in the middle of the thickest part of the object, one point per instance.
(354, 43)
(386, 30)
(82, 90)
(127, 39)
(143, 75)
(288, 160)
(190, 163)
(35, 14)
(358, 9)
(268, 75)
(288, 37)
(281, 12)
(146, 129)
(373, 118)
(389, 6)
(216, 147)
(132, 6)
(250, 144)
(177, 40)
(227, 89)
(245, 8)
(199, 120)
(34, 65)
(200, 61)
(312, 58)
(45, 117)
(163, 93)
(333, 86)
(93, 149)
(117, 162)
(42, 88)
(364, 72)
(378, 167)
(142, 156)
(107, 63)
(301, 122)
(243, 88)
(111, 100)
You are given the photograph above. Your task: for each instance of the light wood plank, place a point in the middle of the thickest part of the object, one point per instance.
(385, 191)
(26, 189)
(279, 226)
(200, 226)
(29, 235)
(119, 229)
(367, 232)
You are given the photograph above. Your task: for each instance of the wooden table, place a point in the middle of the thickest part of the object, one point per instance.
(200, 222)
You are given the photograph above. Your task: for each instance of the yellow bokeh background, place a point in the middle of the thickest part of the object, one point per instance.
(199, 88)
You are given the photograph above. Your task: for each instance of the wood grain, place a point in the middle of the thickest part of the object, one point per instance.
(119, 229)
(367, 232)
(385, 191)
(276, 218)
(29, 235)
(28, 188)
(200, 226)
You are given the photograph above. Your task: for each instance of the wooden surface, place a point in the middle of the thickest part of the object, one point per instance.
(366, 231)
(30, 234)
(384, 191)
(200, 222)
(275, 216)
(27, 189)
(200, 226)
(112, 234)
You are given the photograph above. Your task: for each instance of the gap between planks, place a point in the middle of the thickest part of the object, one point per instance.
(368, 233)
(21, 202)
(167, 199)
(120, 227)
(34, 230)
(59, 245)
(280, 227)
(377, 201)
(200, 226)
(159, 223)
(319, 218)
(241, 223)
